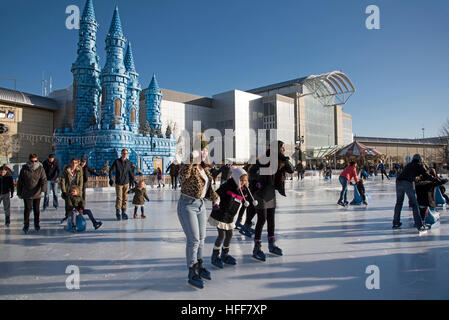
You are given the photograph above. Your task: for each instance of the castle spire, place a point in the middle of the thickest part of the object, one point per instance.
(129, 59)
(89, 12)
(154, 86)
(153, 102)
(116, 25)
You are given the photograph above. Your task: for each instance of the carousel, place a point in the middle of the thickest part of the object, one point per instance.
(358, 152)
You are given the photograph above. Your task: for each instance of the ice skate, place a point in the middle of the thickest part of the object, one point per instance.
(226, 258)
(258, 253)
(194, 277)
(215, 260)
(203, 272)
(274, 249)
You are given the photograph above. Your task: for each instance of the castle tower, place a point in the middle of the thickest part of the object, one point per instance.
(114, 79)
(133, 92)
(86, 73)
(153, 103)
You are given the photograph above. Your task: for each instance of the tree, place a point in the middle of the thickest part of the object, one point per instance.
(9, 145)
(444, 136)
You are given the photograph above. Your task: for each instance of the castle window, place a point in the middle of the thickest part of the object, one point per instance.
(118, 107)
(133, 115)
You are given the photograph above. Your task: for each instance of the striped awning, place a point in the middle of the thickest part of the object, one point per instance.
(356, 149)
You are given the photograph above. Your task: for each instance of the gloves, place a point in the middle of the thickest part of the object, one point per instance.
(216, 207)
(63, 195)
(111, 182)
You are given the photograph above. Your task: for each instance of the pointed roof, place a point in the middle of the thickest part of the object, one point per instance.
(89, 12)
(129, 59)
(116, 24)
(154, 86)
(357, 149)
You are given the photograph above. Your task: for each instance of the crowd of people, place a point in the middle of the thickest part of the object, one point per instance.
(242, 190)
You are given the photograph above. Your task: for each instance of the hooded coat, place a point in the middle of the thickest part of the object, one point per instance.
(232, 197)
(32, 181)
(67, 182)
(425, 191)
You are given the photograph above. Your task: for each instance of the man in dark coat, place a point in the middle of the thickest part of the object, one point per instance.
(124, 176)
(173, 169)
(86, 172)
(53, 172)
(31, 187)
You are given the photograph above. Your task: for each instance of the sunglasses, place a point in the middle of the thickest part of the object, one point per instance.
(34, 161)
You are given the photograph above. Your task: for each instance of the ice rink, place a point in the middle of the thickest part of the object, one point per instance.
(326, 252)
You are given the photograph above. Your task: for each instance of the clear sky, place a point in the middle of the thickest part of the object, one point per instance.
(205, 47)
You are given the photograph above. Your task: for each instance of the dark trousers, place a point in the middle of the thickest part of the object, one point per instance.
(384, 173)
(225, 235)
(35, 204)
(51, 187)
(402, 188)
(174, 182)
(250, 214)
(86, 212)
(265, 215)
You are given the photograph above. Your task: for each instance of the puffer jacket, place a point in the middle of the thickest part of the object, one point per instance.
(193, 184)
(139, 196)
(66, 182)
(32, 181)
(231, 200)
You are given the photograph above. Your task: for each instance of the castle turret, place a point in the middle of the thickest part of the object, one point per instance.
(114, 79)
(133, 91)
(153, 103)
(86, 73)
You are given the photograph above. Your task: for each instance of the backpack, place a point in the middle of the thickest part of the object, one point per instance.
(80, 223)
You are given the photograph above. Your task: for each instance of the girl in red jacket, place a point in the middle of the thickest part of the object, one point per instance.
(346, 176)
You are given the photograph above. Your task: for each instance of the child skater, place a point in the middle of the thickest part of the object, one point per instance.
(140, 194)
(361, 190)
(233, 195)
(75, 205)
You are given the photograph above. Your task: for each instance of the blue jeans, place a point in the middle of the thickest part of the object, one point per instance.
(406, 187)
(192, 216)
(51, 186)
(344, 191)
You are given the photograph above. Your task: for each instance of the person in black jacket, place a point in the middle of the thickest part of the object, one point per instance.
(425, 192)
(404, 185)
(266, 186)
(225, 171)
(232, 199)
(53, 173)
(86, 172)
(173, 169)
(124, 176)
(6, 189)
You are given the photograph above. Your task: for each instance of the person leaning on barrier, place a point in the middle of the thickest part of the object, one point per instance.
(86, 172)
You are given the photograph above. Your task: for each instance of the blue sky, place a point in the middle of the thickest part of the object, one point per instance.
(204, 47)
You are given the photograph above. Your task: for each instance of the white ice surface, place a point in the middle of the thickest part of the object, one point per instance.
(327, 250)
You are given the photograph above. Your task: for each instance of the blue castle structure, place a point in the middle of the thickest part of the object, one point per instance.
(106, 103)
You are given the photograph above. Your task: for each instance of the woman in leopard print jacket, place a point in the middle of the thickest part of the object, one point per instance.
(197, 186)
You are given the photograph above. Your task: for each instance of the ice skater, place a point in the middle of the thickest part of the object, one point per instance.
(71, 176)
(196, 187)
(349, 173)
(76, 206)
(233, 194)
(361, 190)
(31, 187)
(6, 189)
(405, 185)
(266, 197)
(124, 176)
(140, 195)
(381, 168)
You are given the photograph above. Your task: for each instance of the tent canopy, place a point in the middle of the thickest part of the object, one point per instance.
(357, 150)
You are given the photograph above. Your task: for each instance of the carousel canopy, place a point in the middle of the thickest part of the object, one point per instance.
(356, 149)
